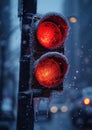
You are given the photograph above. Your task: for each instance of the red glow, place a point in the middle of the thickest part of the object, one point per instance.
(52, 31)
(87, 101)
(49, 35)
(50, 71)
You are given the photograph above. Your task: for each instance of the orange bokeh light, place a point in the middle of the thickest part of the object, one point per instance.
(73, 19)
(87, 101)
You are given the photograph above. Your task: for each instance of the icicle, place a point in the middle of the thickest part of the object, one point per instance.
(48, 104)
(36, 107)
(41, 108)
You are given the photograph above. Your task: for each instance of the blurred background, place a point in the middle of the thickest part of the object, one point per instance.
(78, 49)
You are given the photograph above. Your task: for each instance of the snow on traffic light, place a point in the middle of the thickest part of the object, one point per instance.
(52, 31)
(50, 65)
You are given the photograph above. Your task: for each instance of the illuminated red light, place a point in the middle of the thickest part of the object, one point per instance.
(52, 31)
(50, 70)
(87, 101)
(49, 35)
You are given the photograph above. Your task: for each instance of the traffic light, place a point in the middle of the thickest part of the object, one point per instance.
(49, 63)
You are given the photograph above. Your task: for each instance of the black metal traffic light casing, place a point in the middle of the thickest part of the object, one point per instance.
(39, 50)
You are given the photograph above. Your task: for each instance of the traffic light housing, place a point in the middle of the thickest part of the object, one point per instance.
(49, 63)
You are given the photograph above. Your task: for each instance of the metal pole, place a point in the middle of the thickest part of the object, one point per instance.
(25, 111)
(2, 73)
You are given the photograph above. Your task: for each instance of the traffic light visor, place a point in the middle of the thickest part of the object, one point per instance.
(50, 69)
(52, 31)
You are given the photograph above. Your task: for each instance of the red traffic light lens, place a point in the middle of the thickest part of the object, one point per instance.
(49, 35)
(50, 69)
(52, 31)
